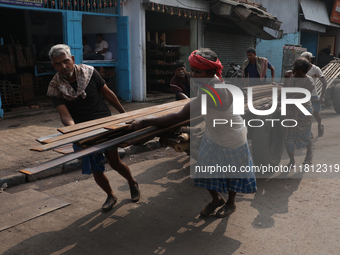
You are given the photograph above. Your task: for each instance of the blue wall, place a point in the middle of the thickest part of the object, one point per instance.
(273, 51)
(309, 41)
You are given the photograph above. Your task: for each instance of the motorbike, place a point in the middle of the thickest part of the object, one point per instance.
(234, 75)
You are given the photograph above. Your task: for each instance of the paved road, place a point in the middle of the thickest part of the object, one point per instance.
(285, 216)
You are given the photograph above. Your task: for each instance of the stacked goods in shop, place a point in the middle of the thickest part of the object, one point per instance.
(26, 81)
(20, 59)
(16, 92)
(7, 61)
(11, 94)
(38, 87)
(11, 59)
(6, 93)
(29, 56)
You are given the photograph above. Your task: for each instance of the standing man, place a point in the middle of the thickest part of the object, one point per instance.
(100, 49)
(180, 83)
(315, 72)
(76, 93)
(256, 68)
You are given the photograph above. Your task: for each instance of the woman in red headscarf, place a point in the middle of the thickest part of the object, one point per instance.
(222, 146)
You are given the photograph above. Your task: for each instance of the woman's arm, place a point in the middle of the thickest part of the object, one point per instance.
(167, 120)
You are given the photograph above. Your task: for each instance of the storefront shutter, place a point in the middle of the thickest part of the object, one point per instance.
(229, 48)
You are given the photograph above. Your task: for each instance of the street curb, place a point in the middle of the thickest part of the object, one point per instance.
(12, 180)
(17, 179)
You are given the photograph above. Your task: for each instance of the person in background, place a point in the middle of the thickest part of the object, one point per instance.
(180, 83)
(254, 69)
(76, 92)
(86, 47)
(315, 72)
(100, 49)
(300, 135)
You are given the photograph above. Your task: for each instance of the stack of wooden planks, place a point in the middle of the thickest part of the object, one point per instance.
(97, 135)
(261, 95)
(331, 71)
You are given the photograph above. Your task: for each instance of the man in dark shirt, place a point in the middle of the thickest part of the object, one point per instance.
(326, 51)
(180, 83)
(255, 68)
(76, 93)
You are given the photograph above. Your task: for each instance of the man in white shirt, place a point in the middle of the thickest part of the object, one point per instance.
(315, 72)
(100, 49)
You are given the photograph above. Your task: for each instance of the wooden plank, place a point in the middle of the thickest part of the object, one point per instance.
(42, 139)
(85, 130)
(122, 125)
(100, 138)
(155, 133)
(66, 149)
(99, 147)
(73, 139)
(79, 154)
(150, 109)
(76, 138)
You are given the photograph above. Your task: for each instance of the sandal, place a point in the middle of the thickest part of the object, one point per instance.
(210, 208)
(135, 193)
(109, 203)
(321, 131)
(225, 211)
(290, 165)
(308, 161)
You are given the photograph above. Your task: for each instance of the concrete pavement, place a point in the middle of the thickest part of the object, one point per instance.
(285, 216)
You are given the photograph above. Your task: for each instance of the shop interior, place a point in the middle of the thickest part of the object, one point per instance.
(25, 69)
(168, 39)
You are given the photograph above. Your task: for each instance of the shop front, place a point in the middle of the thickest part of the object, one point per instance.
(319, 32)
(172, 33)
(33, 27)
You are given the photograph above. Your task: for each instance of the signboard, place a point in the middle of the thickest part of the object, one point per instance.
(335, 17)
(28, 3)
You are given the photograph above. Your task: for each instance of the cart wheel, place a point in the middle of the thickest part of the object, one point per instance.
(267, 142)
(336, 98)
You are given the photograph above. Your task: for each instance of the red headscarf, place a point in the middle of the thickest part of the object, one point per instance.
(199, 62)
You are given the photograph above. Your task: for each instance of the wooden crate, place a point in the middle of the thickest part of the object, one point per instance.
(17, 97)
(26, 82)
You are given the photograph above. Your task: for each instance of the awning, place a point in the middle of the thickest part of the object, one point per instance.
(312, 26)
(316, 11)
(251, 17)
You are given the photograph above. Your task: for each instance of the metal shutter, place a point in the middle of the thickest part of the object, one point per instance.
(229, 48)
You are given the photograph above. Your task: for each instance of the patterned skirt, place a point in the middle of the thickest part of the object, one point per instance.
(211, 154)
(300, 136)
